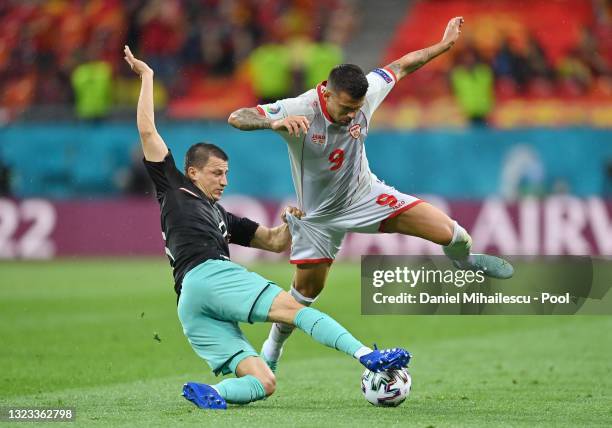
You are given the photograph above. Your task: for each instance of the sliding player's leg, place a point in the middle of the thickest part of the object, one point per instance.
(215, 297)
(327, 331)
(308, 283)
(223, 346)
(313, 249)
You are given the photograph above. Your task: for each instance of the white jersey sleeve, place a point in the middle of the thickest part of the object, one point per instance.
(299, 106)
(381, 81)
(302, 105)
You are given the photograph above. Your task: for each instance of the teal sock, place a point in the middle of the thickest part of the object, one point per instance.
(325, 330)
(241, 390)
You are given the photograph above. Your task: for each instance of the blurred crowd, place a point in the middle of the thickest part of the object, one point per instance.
(55, 52)
(521, 67)
(69, 53)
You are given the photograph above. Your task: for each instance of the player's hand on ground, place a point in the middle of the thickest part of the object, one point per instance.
(453, 29)
(139, 67)
(294, 125)
(295, 212)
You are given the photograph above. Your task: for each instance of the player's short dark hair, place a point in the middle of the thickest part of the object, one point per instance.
(348, 78)
(198, 155)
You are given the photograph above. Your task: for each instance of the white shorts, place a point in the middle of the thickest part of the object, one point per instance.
(316, 239)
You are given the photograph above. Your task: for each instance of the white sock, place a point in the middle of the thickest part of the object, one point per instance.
(364, 350)
(279, 333)
(459, 247)
(306, 301)
(457, 229)
(273, 346)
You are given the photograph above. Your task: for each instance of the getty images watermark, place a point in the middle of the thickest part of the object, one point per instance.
(431, 285)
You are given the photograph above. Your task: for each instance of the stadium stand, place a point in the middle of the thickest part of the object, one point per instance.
(550, 61)
(199, 49)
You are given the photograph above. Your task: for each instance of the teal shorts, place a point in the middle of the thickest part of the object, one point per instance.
(216, 296)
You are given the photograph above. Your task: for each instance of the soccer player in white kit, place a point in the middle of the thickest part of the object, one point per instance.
(325, 131)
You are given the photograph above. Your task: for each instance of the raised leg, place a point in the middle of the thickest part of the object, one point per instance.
(428, 222)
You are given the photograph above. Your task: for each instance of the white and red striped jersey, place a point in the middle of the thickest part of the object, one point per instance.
(329, 166)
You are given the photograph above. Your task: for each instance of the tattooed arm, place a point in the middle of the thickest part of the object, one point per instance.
(415, 60)
(250, 119)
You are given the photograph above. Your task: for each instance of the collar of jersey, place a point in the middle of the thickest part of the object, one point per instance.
(320, 87)
(193, 190)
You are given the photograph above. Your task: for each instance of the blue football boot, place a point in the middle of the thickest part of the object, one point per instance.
(204, 396)
(385, 359)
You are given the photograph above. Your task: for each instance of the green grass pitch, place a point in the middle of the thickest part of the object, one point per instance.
(80, 333)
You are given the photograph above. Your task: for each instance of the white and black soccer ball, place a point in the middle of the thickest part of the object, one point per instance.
(388, 388)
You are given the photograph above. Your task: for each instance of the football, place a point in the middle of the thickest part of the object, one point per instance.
(389, 388)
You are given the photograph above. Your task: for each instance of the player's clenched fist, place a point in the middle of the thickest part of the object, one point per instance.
(295, 212)
(453, 29)
(139, 67)
(294, 125)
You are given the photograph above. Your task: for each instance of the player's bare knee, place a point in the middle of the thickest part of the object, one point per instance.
(286, 301)
(284, 308)
(289, 303)
(294, 305)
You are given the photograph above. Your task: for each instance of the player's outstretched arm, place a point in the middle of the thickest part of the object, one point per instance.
(276, 239)
(153, 146)
(415, 60)
(249, 119)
